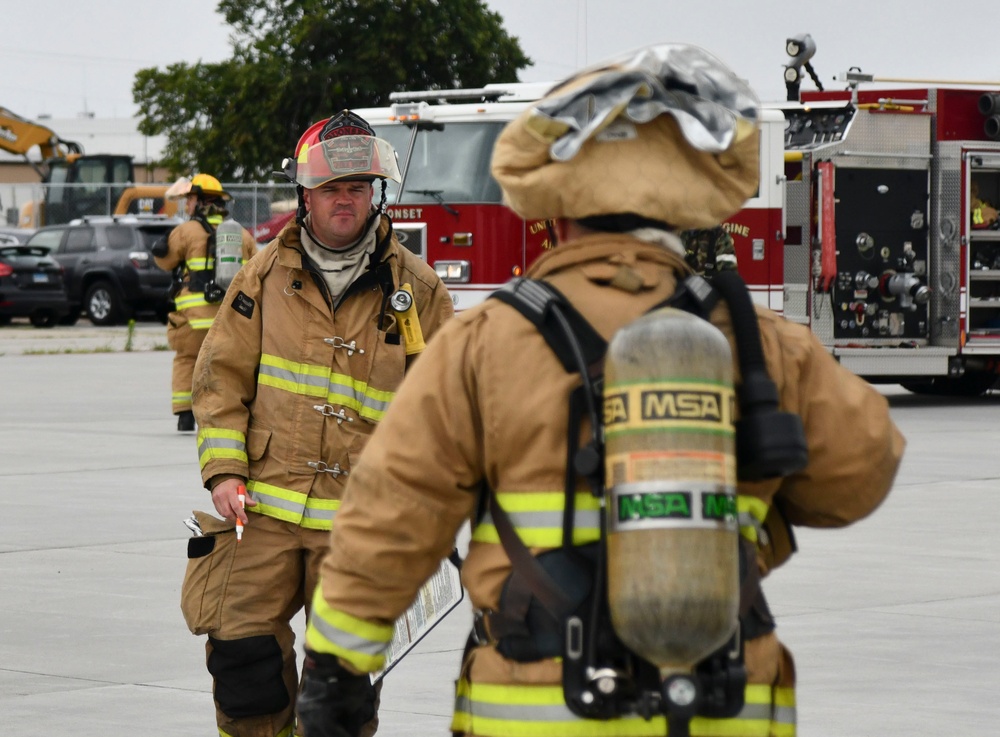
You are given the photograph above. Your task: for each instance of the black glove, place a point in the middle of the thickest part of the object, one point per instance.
(333, 702)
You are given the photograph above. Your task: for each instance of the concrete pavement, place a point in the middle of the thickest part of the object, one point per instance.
(894, 623)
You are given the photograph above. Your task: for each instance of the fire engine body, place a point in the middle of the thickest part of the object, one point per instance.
(881, 258)
(449, 209)
(860, 228)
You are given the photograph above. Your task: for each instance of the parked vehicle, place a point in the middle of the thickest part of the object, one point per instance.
(13, 236)
(109, 270)
(31, 285)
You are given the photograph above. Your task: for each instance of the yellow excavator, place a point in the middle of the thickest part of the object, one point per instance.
(77, 184)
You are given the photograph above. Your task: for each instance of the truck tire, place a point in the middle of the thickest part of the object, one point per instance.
(103, 304)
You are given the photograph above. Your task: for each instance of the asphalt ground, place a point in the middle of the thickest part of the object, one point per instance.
(894, 622)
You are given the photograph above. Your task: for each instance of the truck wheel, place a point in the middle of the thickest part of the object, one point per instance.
(43, 319)
(103, 305)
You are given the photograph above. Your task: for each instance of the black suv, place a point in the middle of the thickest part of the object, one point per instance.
(109, 271)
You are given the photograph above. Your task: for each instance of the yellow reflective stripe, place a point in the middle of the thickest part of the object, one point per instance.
(293, 506)
(275, 501)
(216, 444)
(198, 264)
(291, 376)
(372, 404)
(318, 381)
(493, 710)
(751, 512)
(538, 517)
(319, 513)
(187, 301)
(784, 719)
(181, 397)
(286, 732)
(200, 323)
(359, 642)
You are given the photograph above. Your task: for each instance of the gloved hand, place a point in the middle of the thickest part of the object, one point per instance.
(333, 702)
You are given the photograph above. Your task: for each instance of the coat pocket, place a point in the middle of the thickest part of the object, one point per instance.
(210, 561)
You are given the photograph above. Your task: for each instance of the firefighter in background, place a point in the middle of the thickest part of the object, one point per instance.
(708, 250)
(295, 375)
(984, 215)
(454, 440)
(186, 254)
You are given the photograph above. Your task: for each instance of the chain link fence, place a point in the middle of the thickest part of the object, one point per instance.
(261, 208)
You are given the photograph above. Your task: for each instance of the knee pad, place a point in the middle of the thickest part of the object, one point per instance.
(248, 676)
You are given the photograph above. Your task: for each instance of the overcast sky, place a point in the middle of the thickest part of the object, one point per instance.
(65, 57)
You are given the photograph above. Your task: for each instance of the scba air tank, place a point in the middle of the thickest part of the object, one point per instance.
(228, 252)
(673, 566)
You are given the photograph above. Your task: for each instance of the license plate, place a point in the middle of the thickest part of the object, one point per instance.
(40, 278)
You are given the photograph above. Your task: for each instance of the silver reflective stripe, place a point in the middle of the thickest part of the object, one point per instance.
(319, 515)
(524, 522)
(293, 377)
(296, 508)
(785, 714)
(218, 443)
(515, 712)
(342, 389)
(346, 640)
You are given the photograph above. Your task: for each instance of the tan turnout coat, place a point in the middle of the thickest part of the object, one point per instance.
(287, 389)
(488, 401)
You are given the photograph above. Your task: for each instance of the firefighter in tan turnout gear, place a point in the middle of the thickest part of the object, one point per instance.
(618, 156)
(297, 371)
(187, 249)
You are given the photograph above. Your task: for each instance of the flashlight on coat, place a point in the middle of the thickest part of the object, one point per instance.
(402, 304)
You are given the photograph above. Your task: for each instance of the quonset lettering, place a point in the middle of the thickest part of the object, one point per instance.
(406, 213)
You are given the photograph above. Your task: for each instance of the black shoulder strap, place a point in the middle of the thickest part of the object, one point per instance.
(535, 300)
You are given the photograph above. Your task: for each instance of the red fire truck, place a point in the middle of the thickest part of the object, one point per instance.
(449, 209)
(861, 228)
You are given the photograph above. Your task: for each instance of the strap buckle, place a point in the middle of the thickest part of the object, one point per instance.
(480, 627)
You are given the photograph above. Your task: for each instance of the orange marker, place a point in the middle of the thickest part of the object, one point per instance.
(241, 494)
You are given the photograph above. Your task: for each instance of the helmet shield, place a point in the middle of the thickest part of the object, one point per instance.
(346, 158)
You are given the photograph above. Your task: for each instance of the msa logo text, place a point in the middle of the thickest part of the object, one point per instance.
(657, 405)
(681, 405)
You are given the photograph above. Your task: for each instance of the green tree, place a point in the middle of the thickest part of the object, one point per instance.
(297, 61)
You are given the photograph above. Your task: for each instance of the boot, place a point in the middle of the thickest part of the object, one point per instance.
(185, 421)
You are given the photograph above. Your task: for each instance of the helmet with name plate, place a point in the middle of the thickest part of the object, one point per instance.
(343, 148)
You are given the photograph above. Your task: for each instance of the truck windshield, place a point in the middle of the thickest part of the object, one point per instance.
(446, 165)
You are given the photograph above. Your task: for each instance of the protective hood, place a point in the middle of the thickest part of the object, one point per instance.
(667, 132)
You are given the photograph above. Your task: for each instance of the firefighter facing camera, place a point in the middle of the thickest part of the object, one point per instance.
(303, 360)
(204, 254)
(616, 558)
